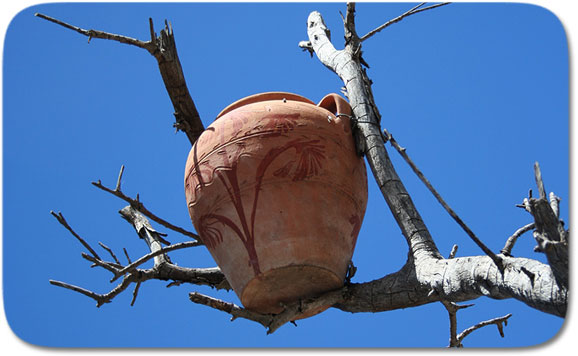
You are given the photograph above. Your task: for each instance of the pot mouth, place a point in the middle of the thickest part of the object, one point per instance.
(274, 95)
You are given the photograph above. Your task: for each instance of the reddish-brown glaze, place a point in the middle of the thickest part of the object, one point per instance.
(277, 193)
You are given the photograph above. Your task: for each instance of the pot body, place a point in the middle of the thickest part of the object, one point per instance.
(277, 194)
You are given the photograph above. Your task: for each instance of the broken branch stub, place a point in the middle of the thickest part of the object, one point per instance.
(164, 50)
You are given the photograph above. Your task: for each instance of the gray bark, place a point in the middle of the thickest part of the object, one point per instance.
(458, 280)
(427, 277)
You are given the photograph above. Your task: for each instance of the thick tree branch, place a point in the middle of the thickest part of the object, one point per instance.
(164, 50)
(452, 280)
(549, 233)
(458, 280)
(427, 276)
(346, 65)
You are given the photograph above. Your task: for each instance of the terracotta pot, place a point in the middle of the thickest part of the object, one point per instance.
(277, 193)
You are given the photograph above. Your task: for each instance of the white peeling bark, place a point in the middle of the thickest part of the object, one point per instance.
(458, 280)
(346, 64)
(427, 277)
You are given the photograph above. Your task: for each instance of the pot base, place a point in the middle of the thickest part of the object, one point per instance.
(267, 292)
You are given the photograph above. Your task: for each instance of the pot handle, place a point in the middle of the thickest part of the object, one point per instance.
(336, 104)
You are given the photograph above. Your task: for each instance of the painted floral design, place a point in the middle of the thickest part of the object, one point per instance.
(308, 162)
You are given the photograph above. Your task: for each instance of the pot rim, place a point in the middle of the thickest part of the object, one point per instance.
(273, 95)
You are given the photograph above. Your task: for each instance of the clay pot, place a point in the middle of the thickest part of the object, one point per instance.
(277, 194)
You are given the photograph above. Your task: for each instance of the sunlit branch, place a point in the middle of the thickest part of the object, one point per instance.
(64, 223)
(408, 13)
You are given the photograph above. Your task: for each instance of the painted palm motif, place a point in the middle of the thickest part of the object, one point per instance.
(308, 161)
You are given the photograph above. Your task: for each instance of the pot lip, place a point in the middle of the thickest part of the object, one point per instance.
(273, 95)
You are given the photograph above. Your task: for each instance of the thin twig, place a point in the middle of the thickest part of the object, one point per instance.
(100, 34)
(118, 181)
(126, 255)
(388, 137)
(98, 297)
(151, 255)
(507, 250)
(63, 222)
(110, 252)
(273, 321)
(526, 203)
(499, 322)
(453, 309)
(102, 298)
(140, 207)
(410, 12)
(152, 31)
(135, 293)
(114, 268)
(230, 308)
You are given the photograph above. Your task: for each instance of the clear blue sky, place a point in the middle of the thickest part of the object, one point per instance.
(476, 93)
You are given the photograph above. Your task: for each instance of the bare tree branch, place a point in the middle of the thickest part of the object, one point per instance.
(402, 151)
(131, 267)
(126, 255)
(455, 339)
(345, 63)
(135, 293)
(99, 34)
(458, 280)
(119, 179)
(77, 289)
(63, 222)
(453, 309)
(272, 321)
(99, 298)
(138, 205)
(111, 267)
(425, 278)
(507, 250)
(499, 322)
(231, 308)
(162, 270)
(412, 11)
(539, 182)
(110, 252)
(164, 50)
(549, 233)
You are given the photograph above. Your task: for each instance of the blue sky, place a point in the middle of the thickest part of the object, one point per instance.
(476, 93)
